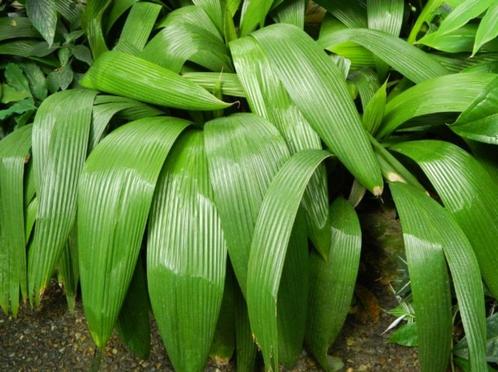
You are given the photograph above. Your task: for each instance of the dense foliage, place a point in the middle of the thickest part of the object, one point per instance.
(207, 158)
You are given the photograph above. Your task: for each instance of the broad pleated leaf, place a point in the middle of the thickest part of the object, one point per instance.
(60, 141)
(332, 282)
(467, 192)
(317, 88)
(428, 278)
(488, 28)
(223, 345)
(14, 150)
(245, 348)
(410, 61)
(227, 83)
(374, 110)
(462, 14)
(268, 98)
(385, 15)
(244, 153)
(269, 247)
(292, 12)
(216, 10)
(16, 27)
(367, 83)
(129, 76)
(449, 93)
(68, 270)
(479, 122)
(114, 198)
(133, 323)
(116, 9)
(43, 16)
(107, 107)
(92, 24)
(253, 14)
(188, 34)
(430, 229)
(293, 295)
(186, 256)
(138, 26)
(352, 13)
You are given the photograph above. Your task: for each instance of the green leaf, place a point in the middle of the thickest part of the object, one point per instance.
(228, 82)
(367, 83)
(479, 122)
(137, 28)
(488, 28)
(26, 48)
(14, 149)
(269, 247)
(457, 41)
(332, 282)
(406, 335)
(129, 76)
(246, 349)
(133, 322)
(60, 78)
(410, 61)
(239, 147)
(92, 24)
(462, 14)
(461, 349)
(16, 27)
(82, 53)
(107, 107)
(385, 15)
(291, 12)
(223, 345)
(292, 296)
(188, 34)
(43, 16)
(317, 88)
(114, 197)
(268, 98)
(19, 107)
(253, 14)
(449, 93)
(467, 192)
(425, 16)
(15, 77)
(186, 256)
(60, 138)
(351, 13)
(374, 110)
(117, 8)
(68, 271)
(37, 80)
(429, 231)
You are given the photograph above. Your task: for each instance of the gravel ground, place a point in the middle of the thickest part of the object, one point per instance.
(55, 339)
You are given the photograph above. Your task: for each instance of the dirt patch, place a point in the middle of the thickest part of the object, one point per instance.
(55, 339)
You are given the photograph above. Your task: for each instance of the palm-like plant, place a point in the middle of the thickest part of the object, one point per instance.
(233, 202)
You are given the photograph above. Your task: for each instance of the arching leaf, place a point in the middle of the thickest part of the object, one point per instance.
(269, 247)
(428, 231)
(60, 142)
(468, 192)
(186, 255)
(129, 76)
(317, 88)
(114, 198)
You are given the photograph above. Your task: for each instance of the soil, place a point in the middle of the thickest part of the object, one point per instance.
(55, 339)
